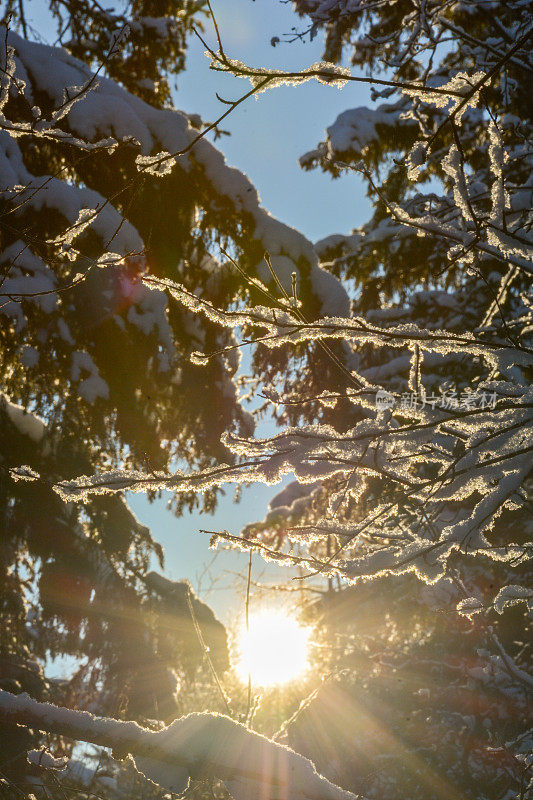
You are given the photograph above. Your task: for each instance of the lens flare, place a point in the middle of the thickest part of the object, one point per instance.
(274, 650)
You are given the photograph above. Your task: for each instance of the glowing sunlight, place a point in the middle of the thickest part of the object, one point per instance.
(274, 650)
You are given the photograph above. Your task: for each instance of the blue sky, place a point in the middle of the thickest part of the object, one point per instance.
(268, 134)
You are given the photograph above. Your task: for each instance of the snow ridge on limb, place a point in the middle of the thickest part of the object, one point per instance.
(198, 745)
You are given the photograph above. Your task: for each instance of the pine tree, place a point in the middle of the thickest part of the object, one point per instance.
(95, 364)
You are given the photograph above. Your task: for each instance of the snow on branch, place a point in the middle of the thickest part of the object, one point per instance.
(202, 745)
(477, 452)
(325, 72)
(493, 466)
(105, 115)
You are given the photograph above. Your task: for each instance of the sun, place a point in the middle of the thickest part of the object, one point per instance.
(274, 649)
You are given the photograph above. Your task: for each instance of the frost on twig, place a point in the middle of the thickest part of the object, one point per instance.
(263, 79)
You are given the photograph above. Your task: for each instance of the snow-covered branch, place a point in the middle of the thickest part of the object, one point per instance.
(198, 746)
